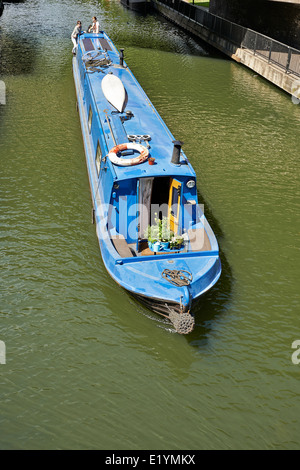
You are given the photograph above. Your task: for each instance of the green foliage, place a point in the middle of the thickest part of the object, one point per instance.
(176, 242)
(159, 231)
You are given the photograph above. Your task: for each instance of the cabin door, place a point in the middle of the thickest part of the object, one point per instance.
(144, 201)
(174, 205)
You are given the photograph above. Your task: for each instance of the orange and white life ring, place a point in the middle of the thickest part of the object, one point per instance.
(142, 157)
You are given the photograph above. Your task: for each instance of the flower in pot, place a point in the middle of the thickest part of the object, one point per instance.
(176, 242)
(159, 234)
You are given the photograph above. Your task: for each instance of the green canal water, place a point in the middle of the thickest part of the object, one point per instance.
(87, 367)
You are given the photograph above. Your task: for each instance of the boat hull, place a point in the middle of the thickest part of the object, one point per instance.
(190, 273)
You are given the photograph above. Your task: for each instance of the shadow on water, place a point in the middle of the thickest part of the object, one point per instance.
(215, 302)
(160, 36)
(17, 55)
(150, 21)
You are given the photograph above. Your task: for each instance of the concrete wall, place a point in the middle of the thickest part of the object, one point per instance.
(279, 20)
(276, 75)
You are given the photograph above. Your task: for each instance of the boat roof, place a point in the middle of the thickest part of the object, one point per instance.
(145, 121)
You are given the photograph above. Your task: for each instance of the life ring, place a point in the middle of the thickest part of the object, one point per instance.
(142, 157)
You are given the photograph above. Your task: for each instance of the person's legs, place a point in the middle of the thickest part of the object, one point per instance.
(74, 45)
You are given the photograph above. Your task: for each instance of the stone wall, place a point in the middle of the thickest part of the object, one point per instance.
(278, 20)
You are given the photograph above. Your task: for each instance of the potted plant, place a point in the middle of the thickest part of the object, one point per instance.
(176, 242)
(159, 234)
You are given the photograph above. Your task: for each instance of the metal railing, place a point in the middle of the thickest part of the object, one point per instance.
(286, 57)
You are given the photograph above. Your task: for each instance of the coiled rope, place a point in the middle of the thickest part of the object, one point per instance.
(179, 278)
(94, 62)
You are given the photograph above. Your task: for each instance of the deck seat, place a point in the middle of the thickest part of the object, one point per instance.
(121, 246)
(199, 240)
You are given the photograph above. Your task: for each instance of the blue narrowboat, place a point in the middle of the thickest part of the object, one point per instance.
(154, 238)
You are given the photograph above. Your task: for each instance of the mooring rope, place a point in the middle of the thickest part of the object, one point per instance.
(177, 277)
(97, 62)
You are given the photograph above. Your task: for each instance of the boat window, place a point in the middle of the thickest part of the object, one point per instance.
(90, 118)
(98, 158)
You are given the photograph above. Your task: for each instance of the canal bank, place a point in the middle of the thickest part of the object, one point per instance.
(276, 62)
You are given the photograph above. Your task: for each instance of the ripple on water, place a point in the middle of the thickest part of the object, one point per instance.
(88, 366)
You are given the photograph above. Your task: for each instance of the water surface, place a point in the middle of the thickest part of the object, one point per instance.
(87, 366)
